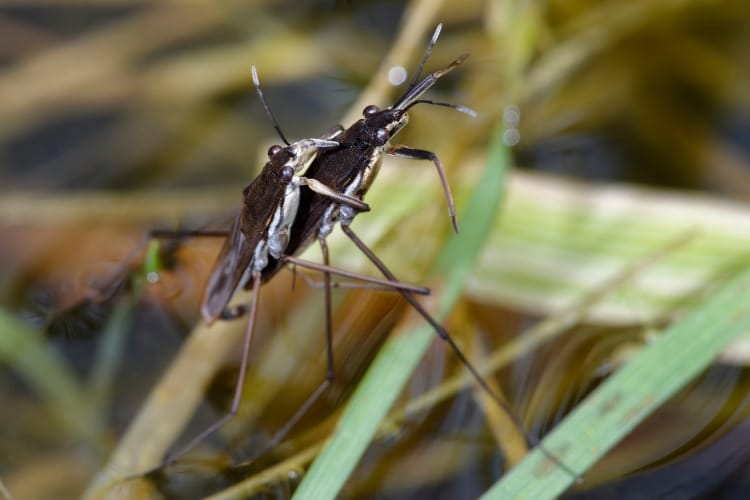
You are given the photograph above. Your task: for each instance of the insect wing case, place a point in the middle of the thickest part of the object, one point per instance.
(262, 199)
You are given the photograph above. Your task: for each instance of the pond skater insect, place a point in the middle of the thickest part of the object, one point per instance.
(261, 232)
(350, 169)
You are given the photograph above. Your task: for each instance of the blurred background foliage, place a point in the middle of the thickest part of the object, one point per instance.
(628, 121)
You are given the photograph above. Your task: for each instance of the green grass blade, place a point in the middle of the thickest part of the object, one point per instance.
(109, 355)
(395, 363)
(557, 238)
(677, 356)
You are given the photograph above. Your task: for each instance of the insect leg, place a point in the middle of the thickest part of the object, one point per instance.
(329, 313)
(393, 284)
(420, 154)
(281, 433)
(171, 457)
(443, 334)
(322, 189)
(348, 285)
(177, 234)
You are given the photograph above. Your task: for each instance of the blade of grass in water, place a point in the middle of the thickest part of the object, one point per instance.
(399, 357)
(677, 356)
(109, 354)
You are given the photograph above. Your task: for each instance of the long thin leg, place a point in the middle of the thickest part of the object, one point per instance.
(420, 290)
(187, 233)
(391, 284)
(349, 285)
(282, 433)
(402, 151)
(327, 270)
(329, 312)
(171, 457)
(443, 334)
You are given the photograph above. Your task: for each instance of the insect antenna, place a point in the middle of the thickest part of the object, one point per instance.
(416, 91)
(275, 124)
(426, 56)
(457, 107)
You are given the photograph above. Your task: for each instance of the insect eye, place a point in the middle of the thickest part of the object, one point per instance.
(382, 136)
(370, 110)
(287, 173)
(274, 150)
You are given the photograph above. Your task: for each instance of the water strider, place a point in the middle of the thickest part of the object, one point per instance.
(261, 232)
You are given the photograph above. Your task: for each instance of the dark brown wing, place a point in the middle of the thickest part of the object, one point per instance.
(235, 257)
(261, 199)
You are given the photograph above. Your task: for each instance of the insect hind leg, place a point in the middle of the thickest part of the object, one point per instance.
(173, 456)
(330, 372)
(445, 336)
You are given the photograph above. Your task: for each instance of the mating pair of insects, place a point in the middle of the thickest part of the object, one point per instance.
(304, 189)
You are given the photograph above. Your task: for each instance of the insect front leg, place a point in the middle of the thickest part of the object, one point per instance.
(402, 151)
(344, 199)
